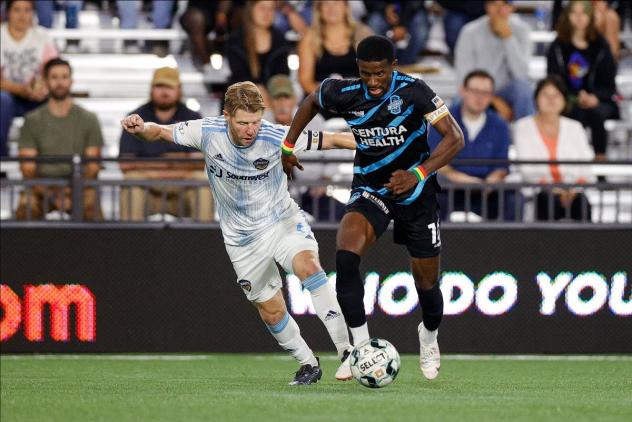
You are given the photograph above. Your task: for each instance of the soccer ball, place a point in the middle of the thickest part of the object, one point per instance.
(375, 363)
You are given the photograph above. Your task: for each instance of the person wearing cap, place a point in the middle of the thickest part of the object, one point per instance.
(500, 44)
(62, 128)
(139, 202)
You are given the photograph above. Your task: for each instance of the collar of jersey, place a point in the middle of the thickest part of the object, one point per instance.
(388, 93)
(230, 139)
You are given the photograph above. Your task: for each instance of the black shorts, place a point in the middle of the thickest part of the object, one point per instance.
(415, 225)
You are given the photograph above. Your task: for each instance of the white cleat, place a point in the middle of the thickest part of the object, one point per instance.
(429, 356)
(344, 370)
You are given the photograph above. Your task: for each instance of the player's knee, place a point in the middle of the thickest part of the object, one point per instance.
(306, 265)
(425, 278)
(272, 316)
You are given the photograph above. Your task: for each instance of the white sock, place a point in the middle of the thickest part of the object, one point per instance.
(328, 309)
(360, 333)
(287, 333)
(425, 336)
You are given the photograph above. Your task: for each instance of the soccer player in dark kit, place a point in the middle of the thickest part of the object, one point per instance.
(394, 179)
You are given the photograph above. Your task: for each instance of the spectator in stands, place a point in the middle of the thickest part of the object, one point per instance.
(499, 43)
(487, 137)
(257, 51)
(549, 136)
(24, 48)
(328, 48)
(58, 127)
(45, 10)
(582, 57)
(284, 103)
(404, 22)
(294, 16)
(198, 20)
(457, 13)
(161, 16)
(164, 108)
(608, 24)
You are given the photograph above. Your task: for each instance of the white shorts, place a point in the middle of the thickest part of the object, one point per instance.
(255, 263)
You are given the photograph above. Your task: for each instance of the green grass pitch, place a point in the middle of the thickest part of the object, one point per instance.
(251, 388)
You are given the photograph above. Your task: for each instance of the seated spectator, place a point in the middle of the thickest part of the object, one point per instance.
(582, 58)
(58, 127)
(608, 24)
(457, 13)
(138, 202)
(293, 15)
(257, 51)
(284, 104)
(328, 48)
(161, 16)
(404, 22)
(198, 20)
(549, 136)
(499, 43)
(486, 136)
(24, 49)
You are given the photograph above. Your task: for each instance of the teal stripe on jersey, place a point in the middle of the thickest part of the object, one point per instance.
(351, 88)
(397, 120)
(393, 155)
(370, 113)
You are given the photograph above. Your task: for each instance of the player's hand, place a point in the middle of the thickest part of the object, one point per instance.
(289, 162)
(401, 181)
(133, 124)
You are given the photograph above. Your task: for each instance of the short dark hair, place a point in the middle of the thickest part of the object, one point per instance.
(557, 82)
(477, 73)
(57, 61)
(376, 48)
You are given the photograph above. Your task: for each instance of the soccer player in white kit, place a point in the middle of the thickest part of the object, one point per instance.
(260, 222)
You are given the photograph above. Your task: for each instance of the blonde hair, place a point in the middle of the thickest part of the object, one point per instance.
(317, 28)
(250, 42)
(243, 96)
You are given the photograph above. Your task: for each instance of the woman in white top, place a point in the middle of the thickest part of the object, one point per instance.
(548, 135)
(24, 49)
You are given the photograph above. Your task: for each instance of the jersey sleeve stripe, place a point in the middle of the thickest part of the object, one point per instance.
(320, 93)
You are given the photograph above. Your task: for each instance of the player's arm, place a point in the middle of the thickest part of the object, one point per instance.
(147, 131)
(305, 113)
(338, 140)
(451, 143)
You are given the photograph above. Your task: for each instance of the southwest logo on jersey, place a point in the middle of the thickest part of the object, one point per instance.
(395, 104)
(245, 284)
(261, 163)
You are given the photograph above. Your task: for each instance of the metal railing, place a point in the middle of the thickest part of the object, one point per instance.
(179, 201)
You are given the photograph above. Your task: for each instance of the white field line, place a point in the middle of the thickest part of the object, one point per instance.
(179, 357)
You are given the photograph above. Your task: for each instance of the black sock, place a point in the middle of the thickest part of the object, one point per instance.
(431, 302)
(350, 288)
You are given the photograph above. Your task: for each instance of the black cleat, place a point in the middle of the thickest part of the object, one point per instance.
(308, 374)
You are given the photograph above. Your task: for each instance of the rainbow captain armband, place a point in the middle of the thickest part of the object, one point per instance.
(420, 172)
(287, 148)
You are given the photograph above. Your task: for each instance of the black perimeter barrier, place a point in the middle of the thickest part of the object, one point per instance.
(532, 289)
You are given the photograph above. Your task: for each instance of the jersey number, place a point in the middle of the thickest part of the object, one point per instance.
(436, 234)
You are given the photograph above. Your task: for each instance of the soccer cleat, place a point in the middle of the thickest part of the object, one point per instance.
(429, 356)
(308, 374)
(344, 370)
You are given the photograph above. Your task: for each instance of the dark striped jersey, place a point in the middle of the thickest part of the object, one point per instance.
(391, 131)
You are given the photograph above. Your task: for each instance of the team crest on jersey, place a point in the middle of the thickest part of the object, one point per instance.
(395, 104)
(261, 163)
(245, 284)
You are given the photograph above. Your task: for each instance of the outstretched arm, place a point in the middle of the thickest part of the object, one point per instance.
(147, 131)
(305, 113)
(335, 140)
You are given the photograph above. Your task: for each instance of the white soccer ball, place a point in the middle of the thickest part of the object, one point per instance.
(375, 363)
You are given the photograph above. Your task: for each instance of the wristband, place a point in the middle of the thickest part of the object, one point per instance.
(287, 148)
(420, 172)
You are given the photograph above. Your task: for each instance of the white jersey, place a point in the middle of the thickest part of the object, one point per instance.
(248, 183)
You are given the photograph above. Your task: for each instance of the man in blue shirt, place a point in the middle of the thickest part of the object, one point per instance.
(486, 137)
